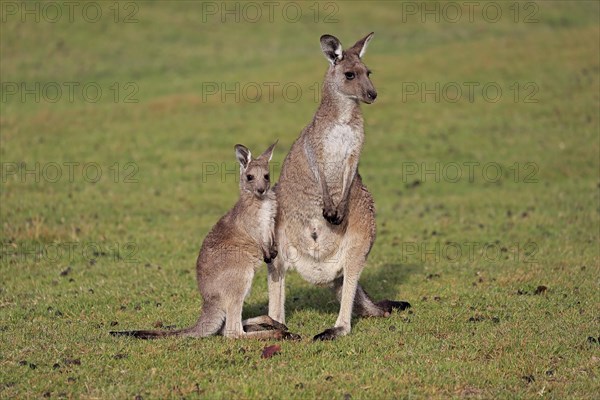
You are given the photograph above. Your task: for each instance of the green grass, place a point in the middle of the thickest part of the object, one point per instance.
(477, 327)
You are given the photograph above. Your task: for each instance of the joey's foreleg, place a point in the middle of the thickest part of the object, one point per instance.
(269, 249)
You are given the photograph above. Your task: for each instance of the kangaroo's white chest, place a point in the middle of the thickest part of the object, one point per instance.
(341, 141)
(341, 148)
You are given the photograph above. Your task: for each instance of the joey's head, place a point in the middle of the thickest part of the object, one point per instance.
(347, 74)
(254, 173)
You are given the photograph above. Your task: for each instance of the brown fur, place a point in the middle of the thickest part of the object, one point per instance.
(230, 254)
(325, 223)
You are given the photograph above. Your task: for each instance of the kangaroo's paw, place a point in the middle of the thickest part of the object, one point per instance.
(332, 216)
(273, 253)
(389, 305)
(330, 334)
(269, 255)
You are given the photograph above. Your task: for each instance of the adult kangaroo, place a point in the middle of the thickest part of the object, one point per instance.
(325, 224)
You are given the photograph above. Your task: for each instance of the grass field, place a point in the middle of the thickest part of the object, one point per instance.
(482, 154)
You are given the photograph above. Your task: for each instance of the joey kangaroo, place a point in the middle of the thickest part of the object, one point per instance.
(230, 254)
(325, 225)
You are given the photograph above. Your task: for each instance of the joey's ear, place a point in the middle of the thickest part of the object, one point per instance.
(243, 155)
(332, 48)
(268, 154)
(360, 47)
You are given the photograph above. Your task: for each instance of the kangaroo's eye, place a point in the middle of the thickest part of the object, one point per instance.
(267, 177)
(349, 75)
(250, 177)
(368, 73)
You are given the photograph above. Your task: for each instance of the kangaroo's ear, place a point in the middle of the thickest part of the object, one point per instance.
(332, 48)
(269, 152)
(243, 155)
(360, 47)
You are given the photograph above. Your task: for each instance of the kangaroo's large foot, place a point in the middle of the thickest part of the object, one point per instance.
(262, 323)
(331, 333)
(265, 331)
(285, 335)
(387, 306)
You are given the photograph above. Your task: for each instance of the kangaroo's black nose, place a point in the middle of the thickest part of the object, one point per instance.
(260, 190)
(371, 94)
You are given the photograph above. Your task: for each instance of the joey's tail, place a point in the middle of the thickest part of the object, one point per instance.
(191, 331)
(210, 323)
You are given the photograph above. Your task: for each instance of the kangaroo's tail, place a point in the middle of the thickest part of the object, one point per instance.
(143, 334)
(210, 323)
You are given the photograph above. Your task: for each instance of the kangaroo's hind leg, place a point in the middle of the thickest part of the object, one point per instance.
(352, 255)
(276, 284)
(352, 263)
(210, 321)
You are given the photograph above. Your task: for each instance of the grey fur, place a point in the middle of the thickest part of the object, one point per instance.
(325, 224)
(230, 254)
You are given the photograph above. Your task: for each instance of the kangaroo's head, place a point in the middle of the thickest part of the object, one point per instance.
(254, 173)
(347, 74)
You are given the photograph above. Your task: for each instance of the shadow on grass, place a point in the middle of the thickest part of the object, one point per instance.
(381, 283)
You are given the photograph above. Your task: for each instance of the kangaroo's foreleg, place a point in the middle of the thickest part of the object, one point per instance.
(350, 171)
(270, 252)
(329, 209)
(318, 170)
(336, 213)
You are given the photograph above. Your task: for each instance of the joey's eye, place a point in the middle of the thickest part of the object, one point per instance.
(368, 73)
(250, 177)
(267, 177)
(349, 75)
